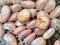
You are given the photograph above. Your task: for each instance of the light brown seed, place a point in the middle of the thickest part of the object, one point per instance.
(9, 26)
(19, 29)
(39, 41)
(24, 33)
(33, 12)
(29, 38)
(28, 4)
(2, 30)
(57, 42)
(50, 6)
(13, 17)
(42, 22)
(16, 7)
(31, 24)
(9, 38)
(40, 4)
(42, 13)
(5, 13)
(24, 15)
(55, 13)
(38, 32)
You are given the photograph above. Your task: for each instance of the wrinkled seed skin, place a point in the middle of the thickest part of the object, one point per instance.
(19, 29)
(55, 13)
(10, 39)
(5, 13)
(39, 41)
(31, 24)
(23, 15)
(38, 32)
(57, 42)
(13, 17)
(50, 6)
(49, 33)
(33, 12)
(2, 30)
(9, 26)
(28, 4)
(40, 4)
(16, 7)
(55, 23)
(24, 33)
(29, 38)
(42, 13)
(42, 22)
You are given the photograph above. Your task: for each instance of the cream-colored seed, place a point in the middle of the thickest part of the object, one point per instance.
(9, 26)
(18, 23)
(5, 13)
(50, 6)
(39, 41)
(57, 42)
(49, 33)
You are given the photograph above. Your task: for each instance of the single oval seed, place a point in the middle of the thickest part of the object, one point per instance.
(55, 13)
(13, 17)
(28, 4)
(9, 26)
(24, 33)
(50, 6)
(19, 29)
(40, 4)
(49, 33)
(10, 39)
